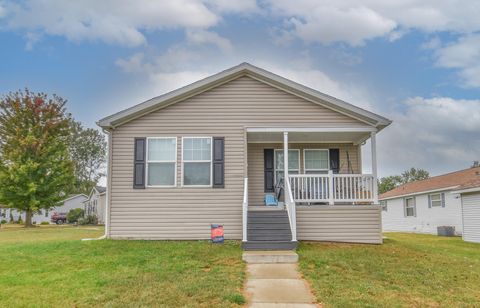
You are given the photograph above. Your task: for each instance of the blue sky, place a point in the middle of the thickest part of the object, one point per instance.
(415, 62)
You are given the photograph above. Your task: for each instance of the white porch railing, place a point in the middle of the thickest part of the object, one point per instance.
(291, 210)
(245, 210)
(332, 188)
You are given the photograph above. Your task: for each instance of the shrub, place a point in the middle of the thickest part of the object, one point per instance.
(89, 220)
(3, 222)
(75, 214)
(44, 223)
(19, 221)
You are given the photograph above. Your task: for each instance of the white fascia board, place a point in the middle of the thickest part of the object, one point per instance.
(467, 190)
(419, 193)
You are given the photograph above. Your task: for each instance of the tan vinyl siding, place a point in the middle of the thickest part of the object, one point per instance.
(343, 223)
(256, 183)
(225, 111)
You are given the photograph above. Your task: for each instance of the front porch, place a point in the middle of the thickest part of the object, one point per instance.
(324, 192)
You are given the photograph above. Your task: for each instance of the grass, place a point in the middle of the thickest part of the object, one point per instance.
(49, 266)
(408, 270)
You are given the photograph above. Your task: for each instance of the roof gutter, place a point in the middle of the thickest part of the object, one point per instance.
(419, 193)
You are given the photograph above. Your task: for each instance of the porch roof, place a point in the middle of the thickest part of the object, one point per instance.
(309, 134)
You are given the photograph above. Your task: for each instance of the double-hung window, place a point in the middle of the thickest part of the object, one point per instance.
(435, 200)
(315, 161)
(293, 163)
(161, 161)
(197, 161)
(410, 207)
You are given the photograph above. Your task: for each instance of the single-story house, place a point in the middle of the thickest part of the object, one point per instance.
(422, 206)
(470, 195)
(213, 151)
(95, 203)
(72, 202)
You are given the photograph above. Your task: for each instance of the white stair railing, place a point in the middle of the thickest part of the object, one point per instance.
(245, 210)
(291, 210)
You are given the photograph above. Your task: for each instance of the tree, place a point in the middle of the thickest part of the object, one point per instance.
(390, 182)
(88, 150)
(413, 175)
(36, 171)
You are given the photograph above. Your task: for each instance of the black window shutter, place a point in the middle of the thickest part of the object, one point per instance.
(268, 170)
(334, 160)
(218, 162)
(139, 163)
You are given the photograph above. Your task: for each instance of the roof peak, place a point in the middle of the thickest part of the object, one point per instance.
(235, 72)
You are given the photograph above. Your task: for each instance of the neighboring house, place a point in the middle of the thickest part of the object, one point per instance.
(95, 203)
(72, 202)
(470, 195)
(209, 153)
(422, 206)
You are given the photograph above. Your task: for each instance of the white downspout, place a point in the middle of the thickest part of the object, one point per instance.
(109, 184)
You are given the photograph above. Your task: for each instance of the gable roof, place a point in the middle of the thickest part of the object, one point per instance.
(471, 186)
(74, 196)
(453, 180)
(243, 69)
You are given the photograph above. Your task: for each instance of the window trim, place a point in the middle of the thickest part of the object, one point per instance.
(322, 150)
(198, 161)
(384, 205)
(431, 201)
(414, 207)
(147, 161)
(275, 163)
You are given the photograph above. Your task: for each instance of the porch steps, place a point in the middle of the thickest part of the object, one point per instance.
(268, 230)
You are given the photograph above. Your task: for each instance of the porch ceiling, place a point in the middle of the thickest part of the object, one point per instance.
(308, 137)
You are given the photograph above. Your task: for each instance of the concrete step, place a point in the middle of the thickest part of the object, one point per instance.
(269, 245)
(278, 256)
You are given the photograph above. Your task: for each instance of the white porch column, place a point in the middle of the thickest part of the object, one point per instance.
(285, 161)
(373, 143)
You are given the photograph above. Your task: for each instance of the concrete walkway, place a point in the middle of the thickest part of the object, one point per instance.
(276, 284)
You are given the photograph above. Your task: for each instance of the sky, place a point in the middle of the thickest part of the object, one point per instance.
(416, 62)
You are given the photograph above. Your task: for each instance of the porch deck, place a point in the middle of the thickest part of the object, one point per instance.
(335, 202)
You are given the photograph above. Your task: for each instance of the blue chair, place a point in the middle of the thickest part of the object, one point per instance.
(271, 200)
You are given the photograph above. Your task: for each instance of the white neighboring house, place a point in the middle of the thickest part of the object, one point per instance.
(95, 203)
(72, 202)
(470, 195)
(422, 206)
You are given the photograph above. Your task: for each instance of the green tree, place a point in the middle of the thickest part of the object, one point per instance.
(388, 183)
(411, 175)
(88, 150)
(36, 171)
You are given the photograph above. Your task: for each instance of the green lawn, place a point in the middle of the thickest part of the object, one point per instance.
(51, 267)
(408, 270)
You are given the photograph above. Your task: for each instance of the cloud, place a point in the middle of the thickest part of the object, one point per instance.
(112, 21)
(207, 37)
(355, 22)
(438, 134)
(229, 6)
(464, 54)
(353, 25)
